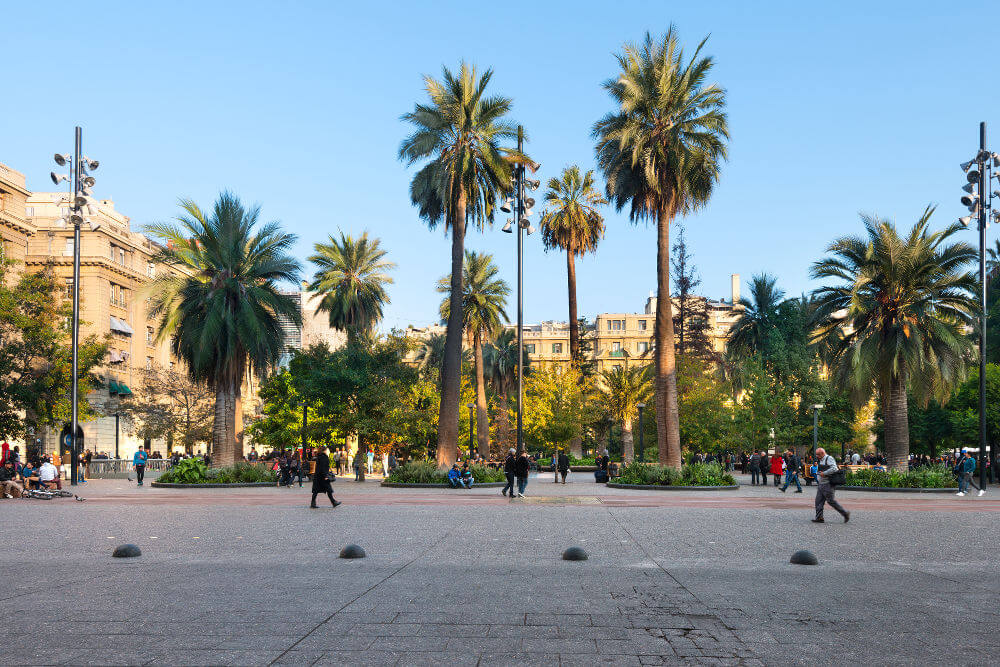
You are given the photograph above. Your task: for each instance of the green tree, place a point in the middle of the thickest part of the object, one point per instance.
(458, 134)
(893, 321)
(483, 301)
(660, 152)
(573, 224)
(704, 404)
(555, 406)
(168, 404)
(351, 279)
(621, 392)
(222, 305)
(500, 359)
(751, 334)
(35, 355)
(691, 318)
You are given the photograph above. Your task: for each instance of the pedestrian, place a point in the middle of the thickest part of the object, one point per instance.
(754, 464)
(792, 465)
(777, 468)
(509, 464)
(826, 466)
(563, 465)
(964, 468)
(294, 470)
(385, 464)
(602, 473)
(370, 458)
(765, 465)
(359, 467)
(139, 463)
(521, 467)
(321, 480)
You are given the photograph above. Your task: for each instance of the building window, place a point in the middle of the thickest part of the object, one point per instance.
(149, 335)
(69, 246)
(111, 252)
(616, 346)
(529, 348)
(149, 363)
(69, 288)
(616, 325)
(150, 270)
(29, 211)
(556, 348)
(643, 347)
(642, 325)
(121, 256)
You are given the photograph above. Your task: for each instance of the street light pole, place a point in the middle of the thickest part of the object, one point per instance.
(74, 393)
(471, 407)
(116, 435)
(519, 203)
(640, 406)
(305, 424)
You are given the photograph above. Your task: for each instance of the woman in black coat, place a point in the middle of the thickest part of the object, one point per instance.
(521, 468)
(320, 481)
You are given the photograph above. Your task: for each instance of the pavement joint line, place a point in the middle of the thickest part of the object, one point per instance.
(361, 595)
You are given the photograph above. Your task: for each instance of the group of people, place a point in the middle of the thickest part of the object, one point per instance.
(16, 476)
(515, 468)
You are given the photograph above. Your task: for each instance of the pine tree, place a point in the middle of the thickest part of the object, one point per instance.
(691, 315)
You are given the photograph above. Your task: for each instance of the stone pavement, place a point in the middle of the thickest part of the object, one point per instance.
(460, 581)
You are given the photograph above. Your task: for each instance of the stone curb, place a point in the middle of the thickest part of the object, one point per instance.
(414, 485)
(174, 485)
(663, 487)
(890, 489)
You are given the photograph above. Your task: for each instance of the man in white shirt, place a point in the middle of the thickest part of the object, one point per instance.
(48, 475)
(826, 465)
(855, 459)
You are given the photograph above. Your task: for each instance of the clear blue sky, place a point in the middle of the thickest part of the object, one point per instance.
(834, 108)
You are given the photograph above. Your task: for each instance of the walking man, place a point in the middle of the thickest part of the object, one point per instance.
(754, 469)
(321, 480)
(521, 467)
(563, 466)
(139, 463)
(509, 463)
(792, 472)
(964, 468)
(826, 465)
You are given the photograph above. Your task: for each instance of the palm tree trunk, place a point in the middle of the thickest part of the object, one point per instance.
(447, 449)
(576, 442)
(628, 449)
(482, 417)
(668, 436)
(227, 447)
(897, 426)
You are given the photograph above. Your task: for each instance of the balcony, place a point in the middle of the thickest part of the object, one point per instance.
(619, 354)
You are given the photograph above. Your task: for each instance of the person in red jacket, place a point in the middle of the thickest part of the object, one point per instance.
(777, 468)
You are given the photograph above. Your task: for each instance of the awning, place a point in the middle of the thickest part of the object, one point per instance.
(124, 390)
(121, 326)
(113, 387)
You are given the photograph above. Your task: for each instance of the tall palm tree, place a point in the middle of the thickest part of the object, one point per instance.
(223, 307)
(575, 225)
(622, 390)
(993, 260)
(458, 134)
(660, 152)
(894, 319)
(350, 282)
(484, 298)
(749, 334)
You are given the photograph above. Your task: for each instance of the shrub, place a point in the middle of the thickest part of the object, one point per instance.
(929, 477)
(194, 471)
(427, 472)
(694, 474)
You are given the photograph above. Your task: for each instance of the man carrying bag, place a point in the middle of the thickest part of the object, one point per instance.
(827, 475)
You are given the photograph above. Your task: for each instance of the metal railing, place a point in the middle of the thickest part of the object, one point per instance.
(109, 468)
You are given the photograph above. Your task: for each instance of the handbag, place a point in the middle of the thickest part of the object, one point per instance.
(839, 476)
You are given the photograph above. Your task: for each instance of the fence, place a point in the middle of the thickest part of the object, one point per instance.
(121, 468)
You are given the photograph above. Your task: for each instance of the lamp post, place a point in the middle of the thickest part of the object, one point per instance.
(305, 424)
(520, 205)
(116, 435)
(640, 406)
(472, 407)
(81, 183)
(816, 408)
(979, 202)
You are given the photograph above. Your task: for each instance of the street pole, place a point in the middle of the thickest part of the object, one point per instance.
(519, 204)
(640, 406)
(984, 199)
(116, 435)
(75, 454)
(816, 434)
(305, 424)
(471, 407)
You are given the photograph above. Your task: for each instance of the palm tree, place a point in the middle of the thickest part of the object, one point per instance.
(894, 321)
(458, 134)
(222, 307)
(350, 281)
(750, 333)
(993, 263)
(660, 153)
(574, 225)
(500, 361)
(622, 389)
(483, 301)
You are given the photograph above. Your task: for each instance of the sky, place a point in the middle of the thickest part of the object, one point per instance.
(834, 109)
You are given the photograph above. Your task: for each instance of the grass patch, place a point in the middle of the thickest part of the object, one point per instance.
(927, 477)
(693, 474)
(194, 471)
(427, 472)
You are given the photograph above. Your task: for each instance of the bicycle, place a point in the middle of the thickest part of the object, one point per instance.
(44, 494)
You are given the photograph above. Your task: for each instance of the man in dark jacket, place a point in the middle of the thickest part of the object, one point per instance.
(765, 465)
(792, 465)
(754, 464)
(563, 465)
(320, 481)
(521, 467)
(509, 463)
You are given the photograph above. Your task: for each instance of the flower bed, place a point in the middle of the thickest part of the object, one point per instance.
(922, 479)
(426, 474)
(692, 476)
(195, 472)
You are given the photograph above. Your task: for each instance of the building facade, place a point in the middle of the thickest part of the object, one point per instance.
(15, 230)
(315, 327)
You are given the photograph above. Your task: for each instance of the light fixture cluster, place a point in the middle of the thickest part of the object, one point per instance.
(979, 172)
(84, 206)
(520, 203)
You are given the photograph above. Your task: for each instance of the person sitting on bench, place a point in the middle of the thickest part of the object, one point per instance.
(455, 477)
(29, 476)
(48, 475)
(8, 480)
(467, 478)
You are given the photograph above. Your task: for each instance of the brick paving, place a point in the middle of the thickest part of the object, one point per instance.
(253, 578)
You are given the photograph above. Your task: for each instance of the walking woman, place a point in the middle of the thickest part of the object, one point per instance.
(321, 480)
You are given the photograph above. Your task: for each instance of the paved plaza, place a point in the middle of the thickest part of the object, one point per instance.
(251, 576)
